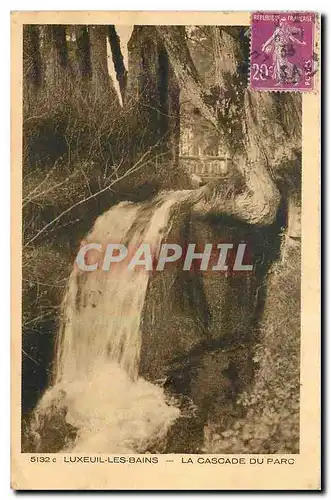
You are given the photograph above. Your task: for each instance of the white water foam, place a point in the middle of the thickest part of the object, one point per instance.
(96, 385)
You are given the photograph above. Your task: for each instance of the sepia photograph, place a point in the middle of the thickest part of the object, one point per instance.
(133, 135)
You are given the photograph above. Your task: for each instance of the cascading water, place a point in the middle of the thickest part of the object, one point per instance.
(97, 390)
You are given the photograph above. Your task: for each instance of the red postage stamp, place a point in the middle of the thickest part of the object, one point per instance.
(282, 51)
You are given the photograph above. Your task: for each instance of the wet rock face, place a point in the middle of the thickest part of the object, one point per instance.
(198, 326)
(232, 295)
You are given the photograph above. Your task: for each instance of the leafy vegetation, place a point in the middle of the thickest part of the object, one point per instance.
(271, 423)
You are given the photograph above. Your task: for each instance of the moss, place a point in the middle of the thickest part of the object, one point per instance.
(271, 421)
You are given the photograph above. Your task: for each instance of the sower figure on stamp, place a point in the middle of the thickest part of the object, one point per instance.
(281, 45)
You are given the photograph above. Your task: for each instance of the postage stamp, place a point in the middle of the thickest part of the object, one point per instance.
(282, 51)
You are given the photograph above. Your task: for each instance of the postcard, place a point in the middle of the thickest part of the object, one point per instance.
(165, 250)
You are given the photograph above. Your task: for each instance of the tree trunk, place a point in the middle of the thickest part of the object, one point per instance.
(83, 51)
(263, 155)
(185, 71)
(102, 88)
(32, 70)
(55, 56)
(31, 54)
(169, 117)
(152, 99)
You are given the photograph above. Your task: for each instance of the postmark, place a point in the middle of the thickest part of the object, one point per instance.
(282, 54)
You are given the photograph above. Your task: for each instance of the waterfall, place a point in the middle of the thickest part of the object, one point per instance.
(97, 390)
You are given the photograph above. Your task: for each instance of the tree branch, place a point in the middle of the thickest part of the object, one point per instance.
(140, 163)
(257, 204)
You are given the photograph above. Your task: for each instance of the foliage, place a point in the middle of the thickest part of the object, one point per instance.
(271, 422)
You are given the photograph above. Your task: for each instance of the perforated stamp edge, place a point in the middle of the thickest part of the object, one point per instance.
(316, 51)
